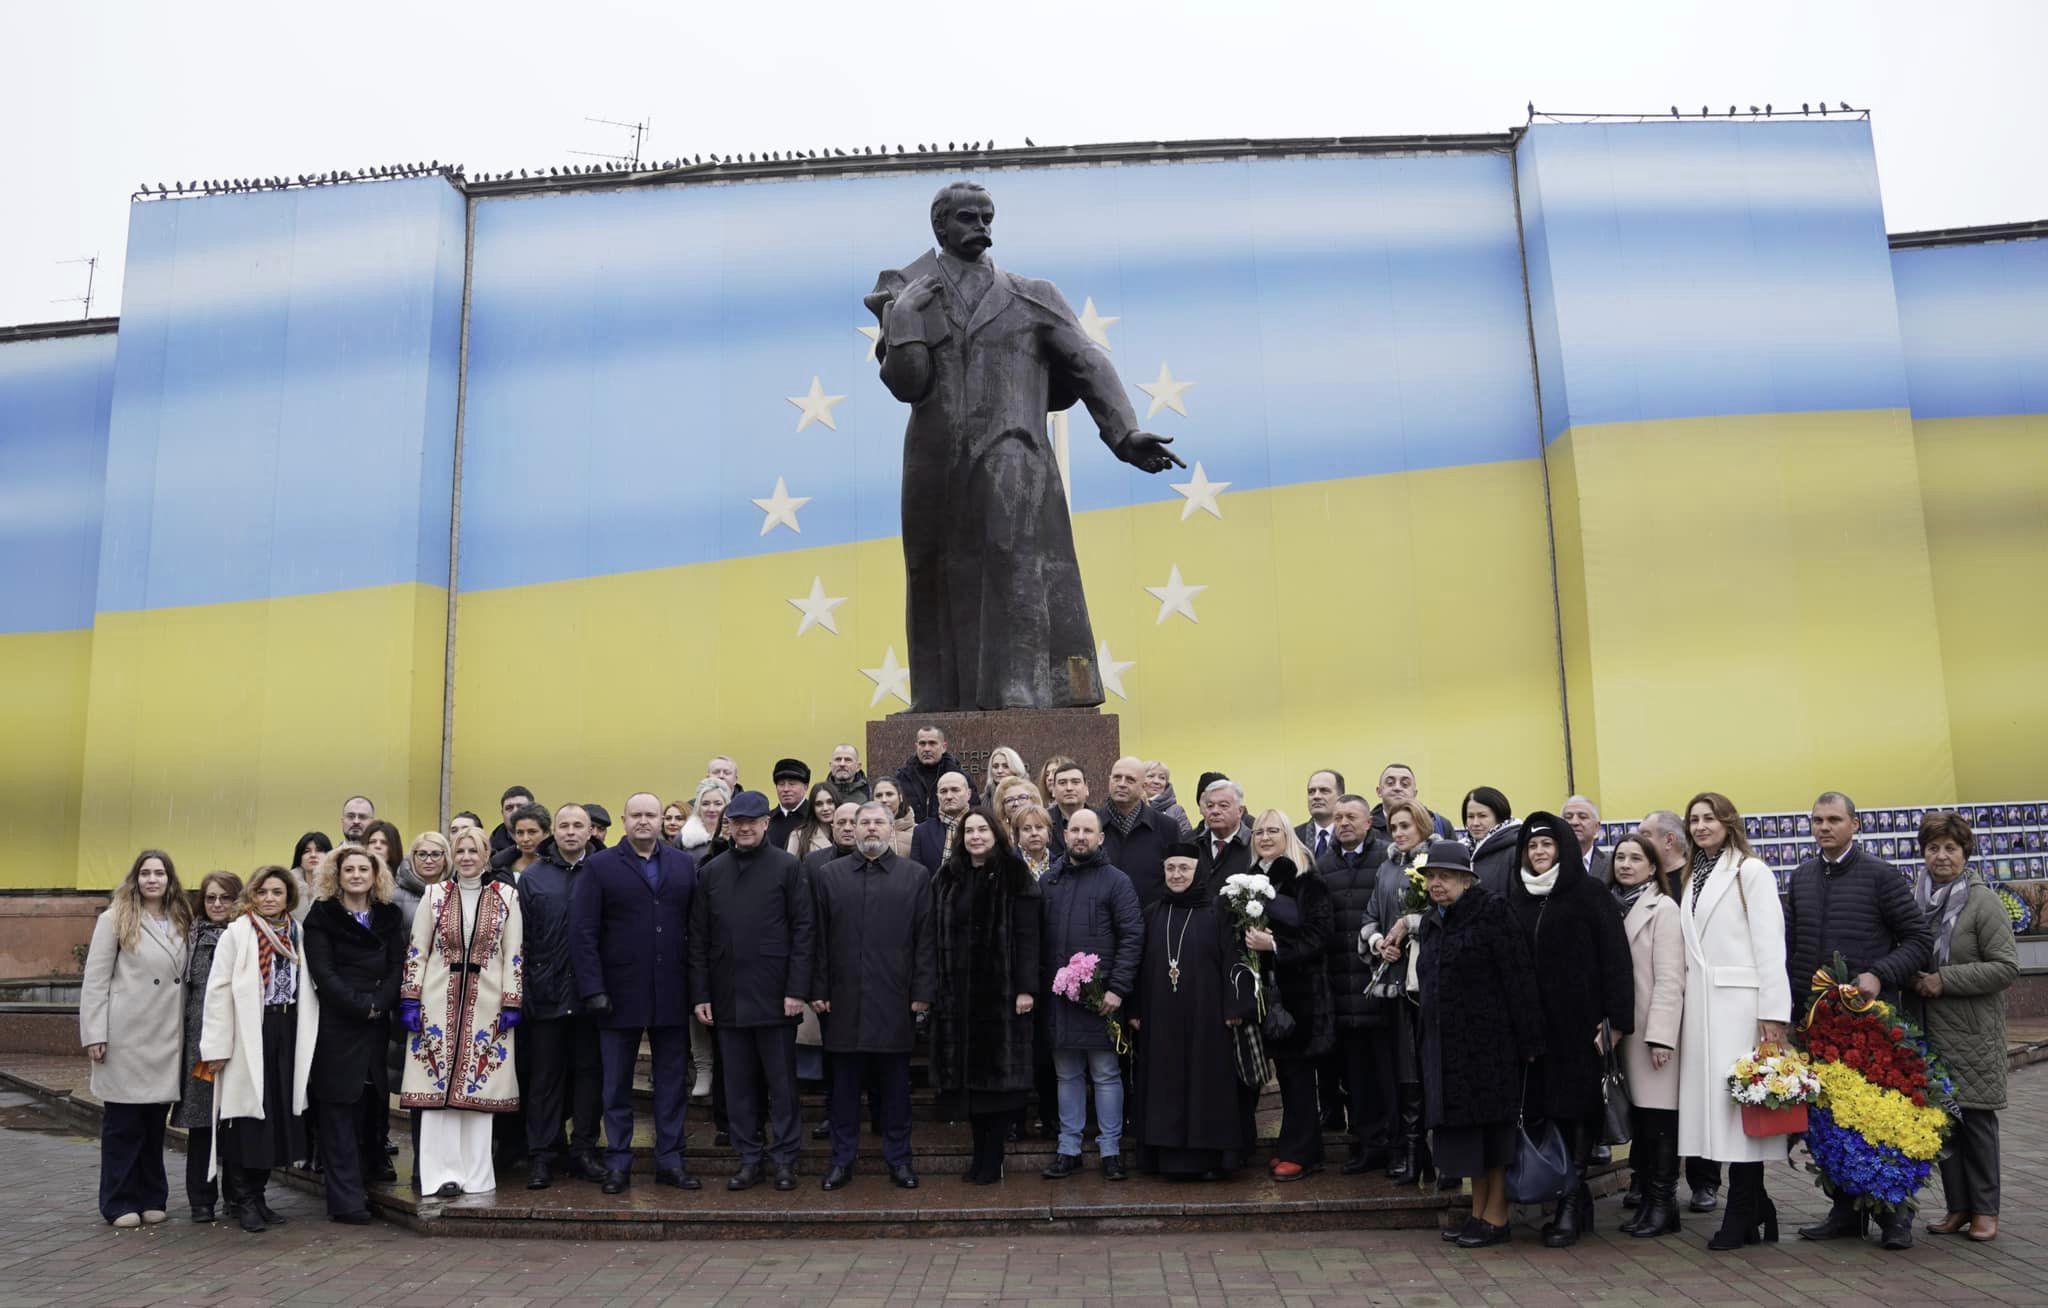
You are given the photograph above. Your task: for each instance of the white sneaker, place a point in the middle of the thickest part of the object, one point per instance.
(152, 1216)
(128, 1221)
(703, 1086)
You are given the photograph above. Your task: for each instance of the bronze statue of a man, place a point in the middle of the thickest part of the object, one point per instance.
(996, 615)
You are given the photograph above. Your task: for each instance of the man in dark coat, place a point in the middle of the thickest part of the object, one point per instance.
(793, 804)
(873, 978)
(630, 918)
(919, 776)
(932, 839)
(1090, 908)
(1320, 831)
(1136, 836)
(995, 612)
(514, 799)
(1397, 785)
(1364, 1060)
(1850, 902)
(558, 1043)
(751, 944)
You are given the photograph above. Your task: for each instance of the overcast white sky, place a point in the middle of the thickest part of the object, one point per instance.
(104, 96)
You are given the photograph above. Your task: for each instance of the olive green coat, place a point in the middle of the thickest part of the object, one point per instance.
(1966, 1025)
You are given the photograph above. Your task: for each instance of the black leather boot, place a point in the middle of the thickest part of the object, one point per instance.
(1844, 1220)
(1659, 1213)
(1748, 1216)
(1409, 1160)
(1574, 1215)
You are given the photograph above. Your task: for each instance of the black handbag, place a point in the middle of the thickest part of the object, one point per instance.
(1541, 1171)
(1278, 1025)
(1617, 1122)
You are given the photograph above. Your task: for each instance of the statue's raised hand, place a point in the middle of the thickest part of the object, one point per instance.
(909, 305)
(1148, 452)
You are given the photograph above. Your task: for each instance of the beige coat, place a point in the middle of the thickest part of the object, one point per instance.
(1734, 978)
(460, 1058)
(133, 1002)
(1656, 947)
(233, 1029)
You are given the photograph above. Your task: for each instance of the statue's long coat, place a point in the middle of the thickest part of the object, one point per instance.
(995, 612)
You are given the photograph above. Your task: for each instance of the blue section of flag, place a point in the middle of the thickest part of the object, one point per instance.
(1708, 269)
(633, 351)
(1975, 321)
(54, 396)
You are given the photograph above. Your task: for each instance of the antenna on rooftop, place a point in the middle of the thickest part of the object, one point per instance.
(92, 267)
(639, 131)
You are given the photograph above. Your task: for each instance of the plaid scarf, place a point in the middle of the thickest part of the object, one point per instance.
(272, 939)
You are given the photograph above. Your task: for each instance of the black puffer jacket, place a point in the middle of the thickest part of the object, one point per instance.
(1864, 911)
(546, 889)
(1584, 974)
(1351, 887)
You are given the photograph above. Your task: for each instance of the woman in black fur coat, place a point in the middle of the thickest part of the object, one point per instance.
(986, 907)
(1584, 976)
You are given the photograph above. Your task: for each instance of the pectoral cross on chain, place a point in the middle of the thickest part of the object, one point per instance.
(1173, 976)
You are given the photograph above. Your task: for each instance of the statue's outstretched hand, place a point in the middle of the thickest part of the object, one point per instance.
(1149, 453)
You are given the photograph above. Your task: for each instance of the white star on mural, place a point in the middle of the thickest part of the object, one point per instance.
(1201, 494)
(817, 608)
(781, 508)
(1111, 670)
(1176, 596)
(892, 678)
(874, 335)
(1165, 393)
(816, 406)
(1095, 325)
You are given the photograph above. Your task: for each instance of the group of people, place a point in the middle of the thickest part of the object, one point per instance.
(1422, 989)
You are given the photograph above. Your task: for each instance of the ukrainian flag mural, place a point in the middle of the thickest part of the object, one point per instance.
(1630, 458)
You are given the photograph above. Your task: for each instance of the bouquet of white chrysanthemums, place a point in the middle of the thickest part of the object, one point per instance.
(1245, 896)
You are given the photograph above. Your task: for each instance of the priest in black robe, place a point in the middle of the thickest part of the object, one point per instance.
(995, 614)
(1188, 1114)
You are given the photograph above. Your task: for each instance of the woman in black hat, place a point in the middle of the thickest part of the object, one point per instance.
(1585, 977)
(1480, 1029)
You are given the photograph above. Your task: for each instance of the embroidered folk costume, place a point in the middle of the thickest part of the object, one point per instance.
(464, 970)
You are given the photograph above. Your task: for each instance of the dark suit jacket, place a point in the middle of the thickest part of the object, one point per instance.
(928, 842)
(629, 941)
(1237, 857)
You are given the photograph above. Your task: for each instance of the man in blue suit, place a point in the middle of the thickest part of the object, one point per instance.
(631, 921)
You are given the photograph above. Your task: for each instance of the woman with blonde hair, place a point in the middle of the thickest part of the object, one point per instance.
(461, 997)
(1003, 764)
(257, 1043)
(703, 834)
(1300, 921)
(1030, 830)
(355, 947)
(1010, 798)
(1737, 996)
(131, 1020)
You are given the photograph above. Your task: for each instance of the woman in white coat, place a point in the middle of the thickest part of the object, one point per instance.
(131, 1020)
(1737, 996)
(1649, 1054)
(257, 1040)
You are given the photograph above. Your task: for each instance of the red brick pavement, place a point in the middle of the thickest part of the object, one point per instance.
(54, 1250)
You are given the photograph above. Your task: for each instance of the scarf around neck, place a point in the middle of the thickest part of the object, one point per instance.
(1942, 905)
(1626, 896)
(1543, 885)
(273, 941)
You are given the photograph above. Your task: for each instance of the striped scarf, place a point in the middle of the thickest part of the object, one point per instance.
(272, 939)
(1702, 868)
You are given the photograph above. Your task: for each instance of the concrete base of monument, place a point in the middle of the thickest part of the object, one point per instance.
(1089, 736)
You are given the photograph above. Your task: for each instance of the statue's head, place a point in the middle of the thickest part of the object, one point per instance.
(962, 216)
